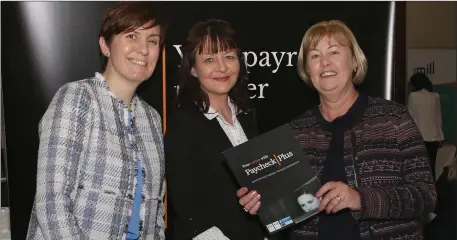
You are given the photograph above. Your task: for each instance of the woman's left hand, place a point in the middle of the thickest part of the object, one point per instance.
(338, 195)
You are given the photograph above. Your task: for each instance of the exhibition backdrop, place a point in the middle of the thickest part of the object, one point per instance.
(47, 44)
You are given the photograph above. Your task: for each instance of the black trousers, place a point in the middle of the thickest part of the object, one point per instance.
(432, 149)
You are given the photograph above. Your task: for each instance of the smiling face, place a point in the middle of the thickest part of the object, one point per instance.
(132, 56)
(217, 72)
(308, 202)
(331, 46)
(330, 65)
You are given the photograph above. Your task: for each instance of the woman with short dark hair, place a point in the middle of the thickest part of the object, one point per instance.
(100, 160)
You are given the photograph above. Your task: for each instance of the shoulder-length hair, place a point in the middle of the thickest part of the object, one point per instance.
(341, 32)
(420, 81)
(211, 37)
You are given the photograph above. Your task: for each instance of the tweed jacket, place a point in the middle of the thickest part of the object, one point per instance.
(87, 174)
(385, 161)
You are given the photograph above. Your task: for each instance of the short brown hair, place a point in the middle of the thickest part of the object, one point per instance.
(125, 17)
(211, 37)
(341, 32)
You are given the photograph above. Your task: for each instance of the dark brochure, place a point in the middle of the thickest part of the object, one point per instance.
(274, 165)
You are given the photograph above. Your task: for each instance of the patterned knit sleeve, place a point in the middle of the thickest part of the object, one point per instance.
(414, 198)
(62, 131)
(160, 227)
(160, 218)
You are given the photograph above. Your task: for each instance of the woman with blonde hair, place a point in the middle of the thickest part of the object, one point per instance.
(366, 151)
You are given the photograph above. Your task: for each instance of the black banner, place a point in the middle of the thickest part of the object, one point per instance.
(46, 44)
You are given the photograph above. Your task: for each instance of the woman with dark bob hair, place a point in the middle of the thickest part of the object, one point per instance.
(213, 114)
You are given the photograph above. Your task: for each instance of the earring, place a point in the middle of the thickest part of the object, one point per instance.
(355, 69)
(107, 54)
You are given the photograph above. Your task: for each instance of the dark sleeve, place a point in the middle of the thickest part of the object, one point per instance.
(182, 188)
(254, 123)
(444, 190)
(414, 198)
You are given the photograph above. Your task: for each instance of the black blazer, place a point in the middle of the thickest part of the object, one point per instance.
(201, 188)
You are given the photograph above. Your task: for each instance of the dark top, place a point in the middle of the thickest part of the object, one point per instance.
(384, 159)
(201, 188)
(443, 225)
(446, 190)
(340, 225)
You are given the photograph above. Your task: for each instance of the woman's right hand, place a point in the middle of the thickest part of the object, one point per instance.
(249, 200)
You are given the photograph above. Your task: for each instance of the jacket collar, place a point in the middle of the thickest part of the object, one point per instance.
(212, 113)
(101, 82)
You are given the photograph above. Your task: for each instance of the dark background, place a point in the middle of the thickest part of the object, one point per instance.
(279, 27)
(46, 44)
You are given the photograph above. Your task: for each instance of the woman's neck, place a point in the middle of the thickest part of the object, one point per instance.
(220, 104)
(337, 105)
(121, 87)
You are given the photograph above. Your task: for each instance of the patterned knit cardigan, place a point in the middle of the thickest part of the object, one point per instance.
(86, 171)
(385, 161)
